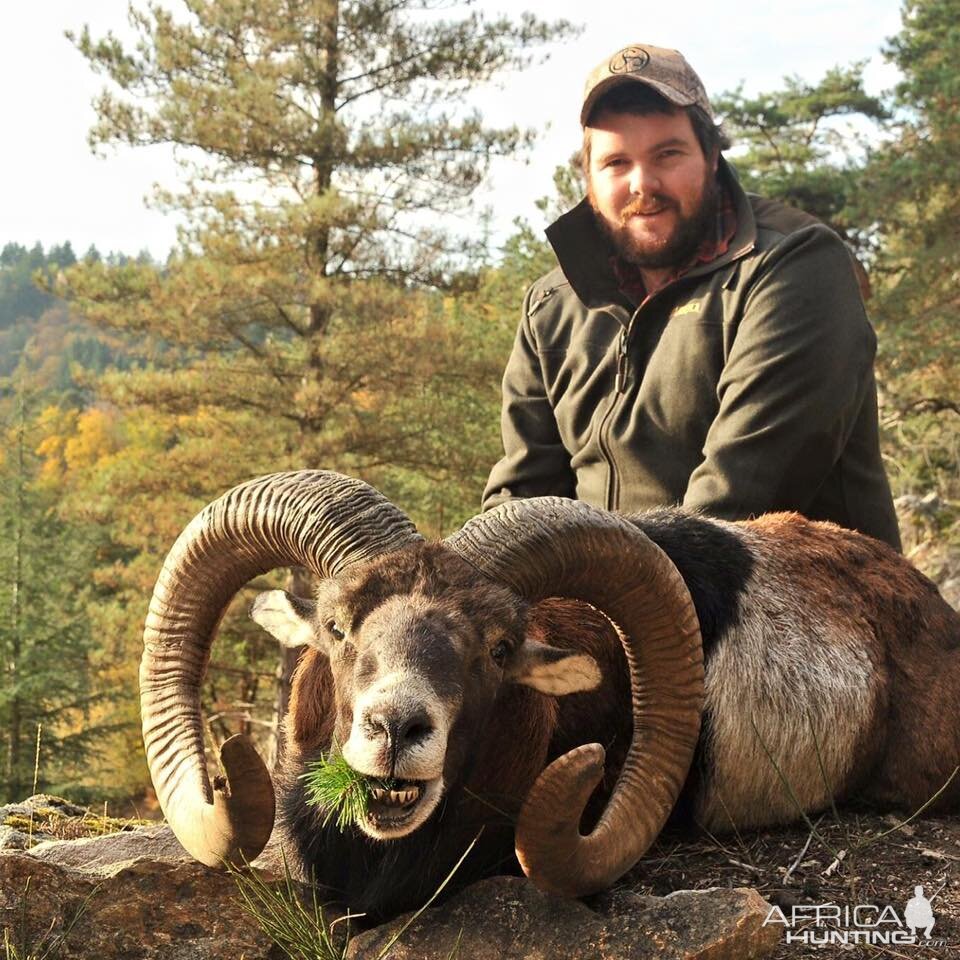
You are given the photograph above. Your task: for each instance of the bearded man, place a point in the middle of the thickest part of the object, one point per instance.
(696, 345)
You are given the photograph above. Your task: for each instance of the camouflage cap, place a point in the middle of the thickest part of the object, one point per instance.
(664, 70)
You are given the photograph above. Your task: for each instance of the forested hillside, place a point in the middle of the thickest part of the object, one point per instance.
(337, 322)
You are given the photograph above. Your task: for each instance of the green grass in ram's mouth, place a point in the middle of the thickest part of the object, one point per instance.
(334, 786)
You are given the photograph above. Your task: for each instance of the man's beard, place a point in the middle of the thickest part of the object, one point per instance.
(681, 246)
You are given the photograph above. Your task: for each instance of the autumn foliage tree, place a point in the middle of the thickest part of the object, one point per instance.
(48, 648)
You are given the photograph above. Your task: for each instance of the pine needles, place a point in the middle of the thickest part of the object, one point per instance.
(333, 785)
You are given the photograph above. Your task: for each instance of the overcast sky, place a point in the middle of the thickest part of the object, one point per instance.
(53, 189)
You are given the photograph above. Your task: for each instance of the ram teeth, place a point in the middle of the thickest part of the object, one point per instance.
(395, 798)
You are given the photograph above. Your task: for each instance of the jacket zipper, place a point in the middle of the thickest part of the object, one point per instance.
(620, 388)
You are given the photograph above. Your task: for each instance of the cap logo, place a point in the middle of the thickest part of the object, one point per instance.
(630, 60)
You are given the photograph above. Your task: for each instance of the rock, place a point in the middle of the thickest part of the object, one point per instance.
(23, 823)
(42, 803)
(13, 839)
(507, 918)
(157, 843)
(146, 911)
(716, 924)
(103, 854)
(138, 895)
(46, 802)
(40, 818)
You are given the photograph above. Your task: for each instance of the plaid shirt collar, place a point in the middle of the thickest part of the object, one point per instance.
(630, 280)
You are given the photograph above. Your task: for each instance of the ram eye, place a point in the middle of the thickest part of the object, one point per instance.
(338, 634)
(499, 653)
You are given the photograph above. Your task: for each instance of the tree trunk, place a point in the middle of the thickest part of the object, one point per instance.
(300, 583)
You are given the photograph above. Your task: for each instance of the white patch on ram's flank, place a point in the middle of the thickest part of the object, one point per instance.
(792, 678)
(400, 693)
(569, 675)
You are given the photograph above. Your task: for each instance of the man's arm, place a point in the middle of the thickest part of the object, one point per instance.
(795, 380)
(535, 462)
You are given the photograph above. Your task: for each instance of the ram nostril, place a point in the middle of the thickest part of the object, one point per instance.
(376, 727)
(415, 731)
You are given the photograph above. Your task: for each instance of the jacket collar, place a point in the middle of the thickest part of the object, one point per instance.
(583, 250)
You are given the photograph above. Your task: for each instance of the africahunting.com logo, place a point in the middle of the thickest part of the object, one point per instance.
(820, 924)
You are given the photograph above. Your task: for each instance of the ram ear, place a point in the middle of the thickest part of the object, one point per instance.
(552, 670)
(288, 618)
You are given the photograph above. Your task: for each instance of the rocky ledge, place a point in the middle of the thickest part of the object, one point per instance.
(136, 895)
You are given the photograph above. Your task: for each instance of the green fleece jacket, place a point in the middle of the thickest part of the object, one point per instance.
(744, 387)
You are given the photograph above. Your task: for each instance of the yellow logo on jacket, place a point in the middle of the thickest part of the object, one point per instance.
(692, 307)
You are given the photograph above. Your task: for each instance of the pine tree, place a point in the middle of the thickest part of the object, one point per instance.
(912, 189)
(797, 145)
(914, 186)
(300, 322)
(326, 146)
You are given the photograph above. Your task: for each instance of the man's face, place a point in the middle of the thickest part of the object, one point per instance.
(653, 190)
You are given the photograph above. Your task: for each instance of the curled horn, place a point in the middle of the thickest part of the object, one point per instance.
(312, 518)
(554, 547)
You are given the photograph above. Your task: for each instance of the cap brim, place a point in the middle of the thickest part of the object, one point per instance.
(671, 94)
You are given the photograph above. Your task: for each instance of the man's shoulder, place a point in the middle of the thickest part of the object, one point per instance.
(777, 221)
(776, 217)
(550, 282)
(782, 228)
